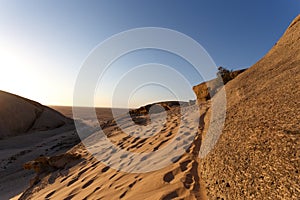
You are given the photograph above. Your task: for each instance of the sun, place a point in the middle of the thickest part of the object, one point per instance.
(17, 74)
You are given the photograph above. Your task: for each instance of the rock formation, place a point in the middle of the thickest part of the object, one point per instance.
(258, 154)
(206, 90)
(19, 115)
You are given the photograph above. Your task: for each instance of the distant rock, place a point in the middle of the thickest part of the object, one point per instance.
(141, 115)
(157, 107)
(19, 115)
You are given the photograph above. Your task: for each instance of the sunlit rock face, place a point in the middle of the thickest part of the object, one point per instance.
(206, 90)
(257, 155)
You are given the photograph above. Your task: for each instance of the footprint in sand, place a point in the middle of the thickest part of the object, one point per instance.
(105, 169)
(132, 184)
(69, 197)
(122, 195)
(188, 181)
(50, 194)
(169, 134)
(82, 171)
(168, 177)
(87, 184)
(171, 195)
(184, 165)
(176, 159)
(157, 147)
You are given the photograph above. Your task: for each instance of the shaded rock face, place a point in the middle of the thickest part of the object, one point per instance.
(19, 115)
(258, 154)
(206, 90)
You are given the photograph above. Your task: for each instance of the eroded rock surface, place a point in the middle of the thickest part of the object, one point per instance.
(258, 154)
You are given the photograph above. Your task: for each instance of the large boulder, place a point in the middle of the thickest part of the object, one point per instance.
(19, 115)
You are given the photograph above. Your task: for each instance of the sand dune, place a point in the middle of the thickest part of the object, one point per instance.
(88, 178)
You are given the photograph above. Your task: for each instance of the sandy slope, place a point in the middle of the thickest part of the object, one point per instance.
(17, 150)
(88, 178)
(258, 154)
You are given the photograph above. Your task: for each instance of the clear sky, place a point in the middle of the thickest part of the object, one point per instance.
(44, 43)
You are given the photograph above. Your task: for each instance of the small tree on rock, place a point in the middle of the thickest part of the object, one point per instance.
(225, 74)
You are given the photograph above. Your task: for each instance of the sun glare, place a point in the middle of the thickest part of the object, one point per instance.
(17, 73)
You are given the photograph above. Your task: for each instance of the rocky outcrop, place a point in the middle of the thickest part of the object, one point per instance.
(141, 115)
(206, 90)
(45, 164)
(157, 107)
(51, 167)
(19, 115)
(257, 155)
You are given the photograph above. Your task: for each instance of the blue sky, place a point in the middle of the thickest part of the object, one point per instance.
(44, 43)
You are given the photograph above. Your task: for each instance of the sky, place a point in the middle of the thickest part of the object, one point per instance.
(44, 44)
